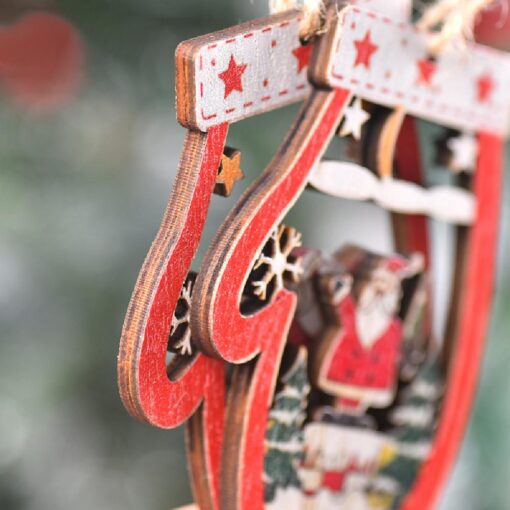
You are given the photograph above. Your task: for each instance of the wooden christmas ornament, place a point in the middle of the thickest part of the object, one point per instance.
(306, 380)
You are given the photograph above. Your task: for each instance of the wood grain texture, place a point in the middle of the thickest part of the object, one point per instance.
(228, 76)
(145, 388)
(474, 310)
(241, 71)
(386, 62)
(223, 331)
(204, 440)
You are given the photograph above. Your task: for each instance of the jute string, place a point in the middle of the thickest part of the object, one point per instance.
(314, 12)
(454, 20)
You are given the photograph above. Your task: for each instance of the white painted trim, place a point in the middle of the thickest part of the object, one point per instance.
(391, 75)
(354, 182)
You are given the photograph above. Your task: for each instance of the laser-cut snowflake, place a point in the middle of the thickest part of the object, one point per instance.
(280, 264)
(180, 337)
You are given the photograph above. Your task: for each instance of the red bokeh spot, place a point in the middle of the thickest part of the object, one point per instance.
(41, 62)
(493, 25)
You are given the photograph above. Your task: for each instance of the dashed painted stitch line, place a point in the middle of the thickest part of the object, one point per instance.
(232, 40)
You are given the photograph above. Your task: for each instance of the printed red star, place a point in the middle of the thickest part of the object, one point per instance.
(365, 49)
(233, 76)
(485, 86)
(427, 69)
(303, 53)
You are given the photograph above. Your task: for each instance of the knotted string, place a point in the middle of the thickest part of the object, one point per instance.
(454, 18)
(313, 14)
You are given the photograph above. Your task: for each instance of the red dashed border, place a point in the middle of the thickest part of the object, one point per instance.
(485, 119)
(263, 99)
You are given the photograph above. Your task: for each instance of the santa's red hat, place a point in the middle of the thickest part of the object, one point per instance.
(406, 267)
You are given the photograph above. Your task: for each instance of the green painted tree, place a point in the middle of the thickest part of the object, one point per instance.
(284, 435)
(415, 420)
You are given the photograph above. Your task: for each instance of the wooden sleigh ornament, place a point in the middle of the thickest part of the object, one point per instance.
(305, 380)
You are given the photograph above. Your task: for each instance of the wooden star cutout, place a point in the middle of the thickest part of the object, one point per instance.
(464, 153)
(229, 172)
(354, 118)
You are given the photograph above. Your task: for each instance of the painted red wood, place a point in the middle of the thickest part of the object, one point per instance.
(213, 413)
(271, 332)
(237, 338)
(475, 312)
(254, 342)
(145, 387)
(165, 403)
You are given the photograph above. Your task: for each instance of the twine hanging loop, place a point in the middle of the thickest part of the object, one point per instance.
(454, 18)
(313, 14)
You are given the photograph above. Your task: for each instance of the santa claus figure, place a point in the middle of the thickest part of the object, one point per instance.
(358, 355)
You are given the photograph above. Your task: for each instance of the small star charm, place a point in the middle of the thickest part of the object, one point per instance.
(464, 153)
(354, 118)
(229, 172)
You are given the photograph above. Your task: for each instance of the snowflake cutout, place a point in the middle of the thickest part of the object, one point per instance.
(180, 338)
(279, 261)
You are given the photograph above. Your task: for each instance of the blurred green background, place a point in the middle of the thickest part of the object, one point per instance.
(82, 192)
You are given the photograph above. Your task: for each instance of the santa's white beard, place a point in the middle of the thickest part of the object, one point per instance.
(373, 320)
